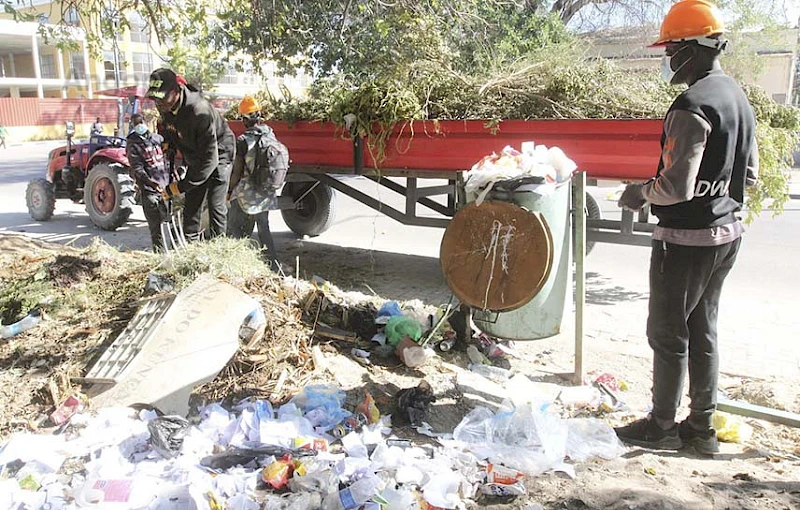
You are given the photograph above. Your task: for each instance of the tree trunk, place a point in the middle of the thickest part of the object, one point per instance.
(567, 9)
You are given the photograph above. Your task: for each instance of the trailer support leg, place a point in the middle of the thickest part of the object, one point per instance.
(579, 208)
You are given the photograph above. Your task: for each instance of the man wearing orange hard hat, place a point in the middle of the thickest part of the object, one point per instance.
(709, 155)
(259, 171)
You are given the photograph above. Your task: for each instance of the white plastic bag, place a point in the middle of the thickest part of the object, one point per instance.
(589, 438)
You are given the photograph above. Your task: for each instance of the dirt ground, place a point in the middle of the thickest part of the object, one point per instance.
(762, 473)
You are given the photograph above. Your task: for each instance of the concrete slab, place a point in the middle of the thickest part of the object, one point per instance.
(196, 338)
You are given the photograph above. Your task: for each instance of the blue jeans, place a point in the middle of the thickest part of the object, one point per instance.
(241, 224)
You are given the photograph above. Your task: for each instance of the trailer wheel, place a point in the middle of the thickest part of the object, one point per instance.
(593, 212)
(40, 197)
(315, 213)
(108, 195)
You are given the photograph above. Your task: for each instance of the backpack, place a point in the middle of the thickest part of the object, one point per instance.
(267, 159)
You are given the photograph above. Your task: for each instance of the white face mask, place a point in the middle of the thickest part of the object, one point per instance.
(140, 129)
(667, 74)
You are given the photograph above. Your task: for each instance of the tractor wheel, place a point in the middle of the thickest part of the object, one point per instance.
(315, 212)
(108, 195)
(40, 197)
(593, 212)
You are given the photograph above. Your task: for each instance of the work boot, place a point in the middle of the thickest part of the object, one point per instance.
(647, 434)
(704, 441)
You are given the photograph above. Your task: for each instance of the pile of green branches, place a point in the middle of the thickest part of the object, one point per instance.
(553, 83)
(556, 82)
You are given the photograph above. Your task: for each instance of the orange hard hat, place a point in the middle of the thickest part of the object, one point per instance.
(691, 20)
(249, 105)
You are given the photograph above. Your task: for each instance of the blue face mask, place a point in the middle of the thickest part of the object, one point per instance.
(140, 129)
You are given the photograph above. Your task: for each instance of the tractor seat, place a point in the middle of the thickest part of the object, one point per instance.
(97, 142)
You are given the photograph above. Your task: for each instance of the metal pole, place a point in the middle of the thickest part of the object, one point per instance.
(579, 203)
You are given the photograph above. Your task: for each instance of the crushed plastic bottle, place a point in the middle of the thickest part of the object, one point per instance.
(496, 374)
(27, 322)
(354, 496)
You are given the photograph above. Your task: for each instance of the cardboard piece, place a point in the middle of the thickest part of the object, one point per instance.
(192, 343)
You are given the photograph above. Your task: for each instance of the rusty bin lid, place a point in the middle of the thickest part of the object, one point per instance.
(496, 256)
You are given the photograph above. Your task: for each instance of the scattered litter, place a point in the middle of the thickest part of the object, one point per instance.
(496, 374)
(580, 397)
(400, 327)
(731, 429)
(588, 438)
(158, 283)
(387, 311)
(489, 347)
(252, 330)
(410, 353)
(475, 356)
(277, 474)
(503, 482)
(413, 404)
(66, 410)
(360, 353)
(448, 341)
(24, 324)
(611, 382)
(167, 434)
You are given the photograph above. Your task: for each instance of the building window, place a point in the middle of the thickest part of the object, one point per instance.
(230, 76)
(142, 66)
(77, 70)
(108, 66)
(72, 18)
(48, 66)
(140, 30)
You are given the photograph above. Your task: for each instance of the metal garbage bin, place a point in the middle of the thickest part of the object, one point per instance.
(522, 294)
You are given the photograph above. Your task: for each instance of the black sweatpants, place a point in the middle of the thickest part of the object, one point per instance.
(241, 225)
(685, 287)
(214, 190)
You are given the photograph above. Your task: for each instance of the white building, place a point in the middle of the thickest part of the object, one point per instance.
(775, 70)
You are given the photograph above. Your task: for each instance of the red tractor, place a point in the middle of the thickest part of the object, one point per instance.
(95, 173)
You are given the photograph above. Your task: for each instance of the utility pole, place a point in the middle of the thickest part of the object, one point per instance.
(114, 15)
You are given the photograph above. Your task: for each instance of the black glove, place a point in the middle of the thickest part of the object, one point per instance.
(632, 198)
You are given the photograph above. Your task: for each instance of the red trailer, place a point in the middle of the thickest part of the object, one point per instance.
(623, 150)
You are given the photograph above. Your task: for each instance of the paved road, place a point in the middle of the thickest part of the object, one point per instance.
(367, 251)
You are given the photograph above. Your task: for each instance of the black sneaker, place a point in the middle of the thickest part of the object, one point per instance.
(647, 434)
(704, 441)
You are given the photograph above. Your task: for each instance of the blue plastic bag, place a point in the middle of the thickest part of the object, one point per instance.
(322, 405)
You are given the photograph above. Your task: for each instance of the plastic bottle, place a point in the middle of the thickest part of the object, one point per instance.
(414, 357)
(354, 496)
(496, 374)
(27, 322)
(410, 353)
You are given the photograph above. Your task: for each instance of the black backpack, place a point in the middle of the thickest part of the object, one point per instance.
(267, 159)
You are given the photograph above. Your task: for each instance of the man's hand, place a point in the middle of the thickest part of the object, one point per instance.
(170, 191)
(631, 198)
